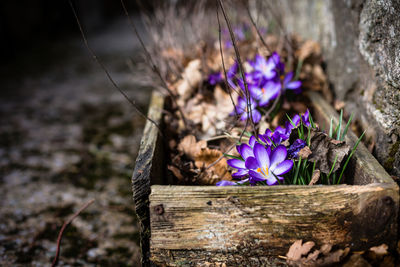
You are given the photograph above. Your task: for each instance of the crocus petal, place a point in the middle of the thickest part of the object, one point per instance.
(288, 78)
(240, 173)
(236, 163)
(243, 181)
(256, 116)
(225, 183)
(256, 177)
(278, 155)
(252, 142)
(261, 155)
(246, 151)
(244, 116)
(251, 163)
(283, 167)
(271, 92)
(296, 120)
(293, 85)
(272, 180)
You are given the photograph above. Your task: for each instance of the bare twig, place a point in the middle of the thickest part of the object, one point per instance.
(66, 223)
(223, 64)
(106, 71)
(258, 32)
(154, 66)
(240, 65)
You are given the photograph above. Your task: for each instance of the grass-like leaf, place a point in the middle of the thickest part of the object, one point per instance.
(351, 154)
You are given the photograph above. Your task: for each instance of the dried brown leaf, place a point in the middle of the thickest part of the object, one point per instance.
(190, 147)
(325, 150)
(305, 152)
(314, 179)
(308, 48)
(176, 172)
(191, 77)
(297, 249)
(380, 250)
(326, 248)
(218, 171)
(294, 253)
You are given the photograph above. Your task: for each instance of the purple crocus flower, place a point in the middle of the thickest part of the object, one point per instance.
(269, 91)
(215, 78)
(288, 84)
(241, 109)
(264, 68)
(277, 137)
(268, 166)
(305, 119)
(245, 151)
(294, 148)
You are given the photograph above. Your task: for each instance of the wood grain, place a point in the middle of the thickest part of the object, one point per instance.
(148, 167)
(248, 222)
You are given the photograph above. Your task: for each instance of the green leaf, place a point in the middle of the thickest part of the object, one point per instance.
(340, 125)
(351, 154)
(347, 127)
(232, 156)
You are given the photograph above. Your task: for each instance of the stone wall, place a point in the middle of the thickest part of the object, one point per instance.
(361, 44)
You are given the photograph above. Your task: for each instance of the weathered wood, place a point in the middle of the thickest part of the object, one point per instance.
(194, 225)
(235, 224)
(148, 167)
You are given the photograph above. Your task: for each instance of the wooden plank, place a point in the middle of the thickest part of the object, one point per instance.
(364, 167)
(148, 167)
(191, 225)
(238, 224)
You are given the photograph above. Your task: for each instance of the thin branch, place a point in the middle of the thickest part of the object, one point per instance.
(258, 32)
(66, 223)
(154, 66)
(223, 64)
(106, 71)
(240, 64)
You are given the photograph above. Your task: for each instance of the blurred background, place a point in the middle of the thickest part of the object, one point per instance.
(66, 135)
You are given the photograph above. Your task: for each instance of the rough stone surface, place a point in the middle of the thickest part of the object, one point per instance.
(67, 136)
(361, 44)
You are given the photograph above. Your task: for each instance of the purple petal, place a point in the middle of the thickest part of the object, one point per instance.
(252, 142)
(261, 155)
(243, 181)
(251, 163)
(256, 116)
(288, 78)
(271, 91)
(244, 116)
(272, 180)
(255, 176)
(283, 167)
(240, 173)
(236, 163)
(278, 155)
(225, 183)
(246, 151)
(296, 120)
(293, 85)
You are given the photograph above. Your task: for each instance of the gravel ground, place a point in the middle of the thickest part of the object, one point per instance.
(67, 136)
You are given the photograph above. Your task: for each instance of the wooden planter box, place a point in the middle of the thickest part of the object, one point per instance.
(195, 225)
